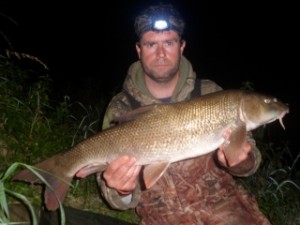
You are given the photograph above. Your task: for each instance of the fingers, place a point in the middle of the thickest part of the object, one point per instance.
(121, 174)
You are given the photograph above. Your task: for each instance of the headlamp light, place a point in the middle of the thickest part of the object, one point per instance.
(160, 24)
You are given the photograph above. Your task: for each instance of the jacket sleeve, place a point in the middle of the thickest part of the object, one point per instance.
(116, 107)
(115, 200)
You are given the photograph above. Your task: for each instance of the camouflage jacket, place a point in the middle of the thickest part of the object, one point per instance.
(193, 191)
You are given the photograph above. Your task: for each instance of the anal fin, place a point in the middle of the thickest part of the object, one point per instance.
(153, 172)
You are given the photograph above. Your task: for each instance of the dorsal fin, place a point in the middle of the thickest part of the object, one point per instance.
(134, 114)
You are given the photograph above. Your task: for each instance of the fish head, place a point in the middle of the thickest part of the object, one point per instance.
(259, 109)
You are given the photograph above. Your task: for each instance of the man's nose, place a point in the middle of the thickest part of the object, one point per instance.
(161, 51)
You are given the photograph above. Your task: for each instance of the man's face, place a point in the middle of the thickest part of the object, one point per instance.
(160, 54)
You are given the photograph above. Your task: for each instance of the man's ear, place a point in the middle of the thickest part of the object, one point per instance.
(182, 45)
(138, 49)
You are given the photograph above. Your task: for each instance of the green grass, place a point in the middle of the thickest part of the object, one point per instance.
(276, 184)
(4, 192)
(34, 128)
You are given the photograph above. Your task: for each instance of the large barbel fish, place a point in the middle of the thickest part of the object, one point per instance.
(160, 135)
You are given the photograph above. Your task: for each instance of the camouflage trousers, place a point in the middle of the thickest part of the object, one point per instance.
(186, 198)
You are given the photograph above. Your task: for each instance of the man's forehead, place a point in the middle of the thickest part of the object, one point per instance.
(159, 36)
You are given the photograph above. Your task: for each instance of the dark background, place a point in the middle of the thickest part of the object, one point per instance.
(88, 45)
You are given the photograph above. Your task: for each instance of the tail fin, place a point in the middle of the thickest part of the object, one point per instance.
(57, 184)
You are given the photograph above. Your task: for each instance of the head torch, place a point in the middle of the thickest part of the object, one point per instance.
(159, 24)
(159, 18)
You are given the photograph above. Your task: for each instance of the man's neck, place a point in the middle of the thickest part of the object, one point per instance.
(161, 90)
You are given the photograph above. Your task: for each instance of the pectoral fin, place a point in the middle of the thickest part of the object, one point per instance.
(234, 143)
(153, 172)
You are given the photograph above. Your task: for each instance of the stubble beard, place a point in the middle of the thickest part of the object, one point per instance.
(160, 75)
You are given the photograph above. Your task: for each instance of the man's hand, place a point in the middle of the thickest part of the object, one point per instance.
(244, 153)
(121, 174)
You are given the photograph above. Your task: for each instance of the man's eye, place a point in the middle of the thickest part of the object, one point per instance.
(150, 45)
(170, 43)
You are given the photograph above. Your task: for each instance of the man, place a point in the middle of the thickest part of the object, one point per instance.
(195, 191)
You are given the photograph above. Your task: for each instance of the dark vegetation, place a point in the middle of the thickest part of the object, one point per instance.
(33, 127)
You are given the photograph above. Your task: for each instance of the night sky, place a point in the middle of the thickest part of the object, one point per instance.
(88, 47)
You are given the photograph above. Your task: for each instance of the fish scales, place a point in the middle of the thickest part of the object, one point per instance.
(162, 135)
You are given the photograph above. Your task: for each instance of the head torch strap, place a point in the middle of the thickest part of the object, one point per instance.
(159, 24)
